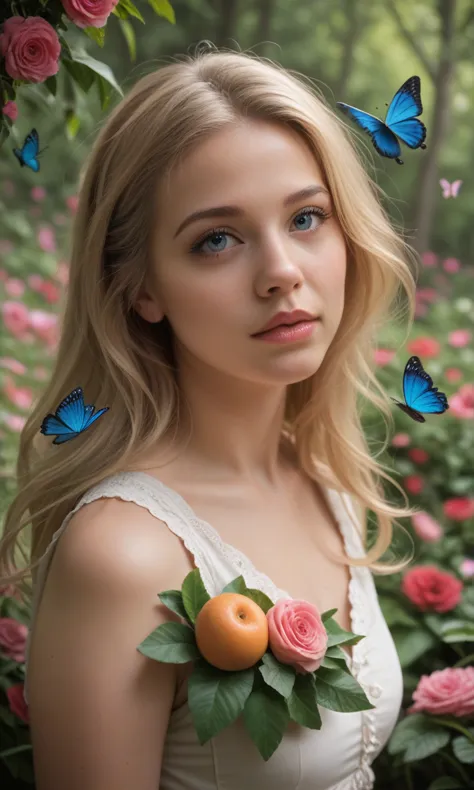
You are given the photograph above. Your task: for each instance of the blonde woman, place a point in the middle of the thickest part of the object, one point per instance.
(222, 197)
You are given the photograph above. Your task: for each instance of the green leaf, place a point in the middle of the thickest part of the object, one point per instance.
(411, 726)
(445, 783)
(237, 585)
(216, 698)
(302, 704)
(173, 600)
(194, 594)
(51, 84)
(339, 691)
(73, 123)
(163, 8)
(24, 747)
(172, 643)
(126, 8)
(80, 74)
(97, 67)
(129, 35)
(96, 34)
(337, 635)
(394, 613)
(335, 652)
(326, 615)
(335, 663)
(457, 631)
(280, 677)
(260, 598)
(426, 744)
(412, 644)
(266, 718)
(463, 748)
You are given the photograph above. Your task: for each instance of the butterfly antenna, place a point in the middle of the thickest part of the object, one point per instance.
(42, 151)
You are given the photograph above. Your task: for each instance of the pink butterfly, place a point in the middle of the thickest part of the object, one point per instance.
(450, 190)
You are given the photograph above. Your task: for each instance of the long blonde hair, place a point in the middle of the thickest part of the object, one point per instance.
(127, 364)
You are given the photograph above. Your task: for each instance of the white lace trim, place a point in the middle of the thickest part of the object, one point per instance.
(168, 506)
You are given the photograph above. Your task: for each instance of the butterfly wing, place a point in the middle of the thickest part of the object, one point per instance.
(93, 417)
(415, 415)
(30, 150)
(384, 141)
(446, 187)
(72, 411)
(401, 115)
(51, 426)
(455, 187)
(419, 392)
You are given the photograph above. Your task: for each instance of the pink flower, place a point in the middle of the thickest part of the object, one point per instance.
(459, 338)
(13, 638)
(429, 259)
(89, 13)
(467, 568)
(401, 440)
(35, 281)
(13, 365)
(383, 356)
(413, 484)
(453, 374)
(451, 265)
(427, 294)
(45, 325)
(19, 396)
(72, 203)
(47, 239)
(30, 47)
(431, 589)
(424, 347)
(62, 273)
(16, 701)
(38, 193)
(15, 422)
(296, 634)
(426, 527)
(15, 287)
(447, 691)
(16, 317)
(50, 291)
(459, 508)
(462, 402)
(420, 309)
(418, 456)
(10, 109)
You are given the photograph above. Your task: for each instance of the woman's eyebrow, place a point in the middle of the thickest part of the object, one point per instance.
(235, 211)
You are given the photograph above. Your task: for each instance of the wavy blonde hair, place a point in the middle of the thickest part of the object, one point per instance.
(126, 363)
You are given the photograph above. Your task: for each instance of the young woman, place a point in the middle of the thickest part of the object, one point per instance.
(222, 197)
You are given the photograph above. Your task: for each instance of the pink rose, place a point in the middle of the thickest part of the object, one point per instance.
(15, 422)
(459, 338)
(424, 347)
(427, 294)
(453, 374)
(446, 691)
(14, 287)
(16, 701)
(431, 589)
(19, 396)
(13, 638)
(10, 109)
(429, 259)
(413, 484)
(89, 13)
(47, 239)
(459, 508)
(14, 365)
(451, 265)
(30, 47)
(467, 568)
(16, 317)
(401, 440)
(383, 356)
(462, 402)
(45, 325)
(38, 193)
(296, 634)
(426, 527)
(418, 456)
(72, 203)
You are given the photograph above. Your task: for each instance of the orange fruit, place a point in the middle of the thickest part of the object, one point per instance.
(231, 632)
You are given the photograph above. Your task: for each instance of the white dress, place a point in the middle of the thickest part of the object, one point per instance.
(337, 757)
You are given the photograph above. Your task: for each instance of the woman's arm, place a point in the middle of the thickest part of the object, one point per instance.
(99, 709)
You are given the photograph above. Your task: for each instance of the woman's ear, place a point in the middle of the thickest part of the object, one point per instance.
(148, 309)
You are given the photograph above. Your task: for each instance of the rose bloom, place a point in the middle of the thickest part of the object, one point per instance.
(89, 13)
(19, 396)
(16, 317)
(421, 309)
(50, 292)
(427, 294)
(413, 484)
(30, 47)
(16, 701)
(467, 568)
(47, 239)
(14, 287)
(14, 365)
(383, 356)
(462, 402)
(38, 193)
(426, 527)
(451, 265)
(459, 338)
(446, 692)
(15, 422)
(418, 456)
(453, 374)
(401, 440)
(429, 260)
(45, 325)
(10, 109)
(13, 638)
(432, 590)
(296, 634)
(459, 508)
(424, 347)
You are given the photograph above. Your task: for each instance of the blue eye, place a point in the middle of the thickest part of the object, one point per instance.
(220, 233)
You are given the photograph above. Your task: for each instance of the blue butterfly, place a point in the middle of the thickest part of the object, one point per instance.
(400, 122)
(71, 418)
(29, 152)
(421, 397)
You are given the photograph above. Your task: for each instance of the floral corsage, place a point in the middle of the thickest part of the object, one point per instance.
(269, 662)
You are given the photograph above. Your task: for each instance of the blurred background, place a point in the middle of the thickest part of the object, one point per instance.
(356, 52)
